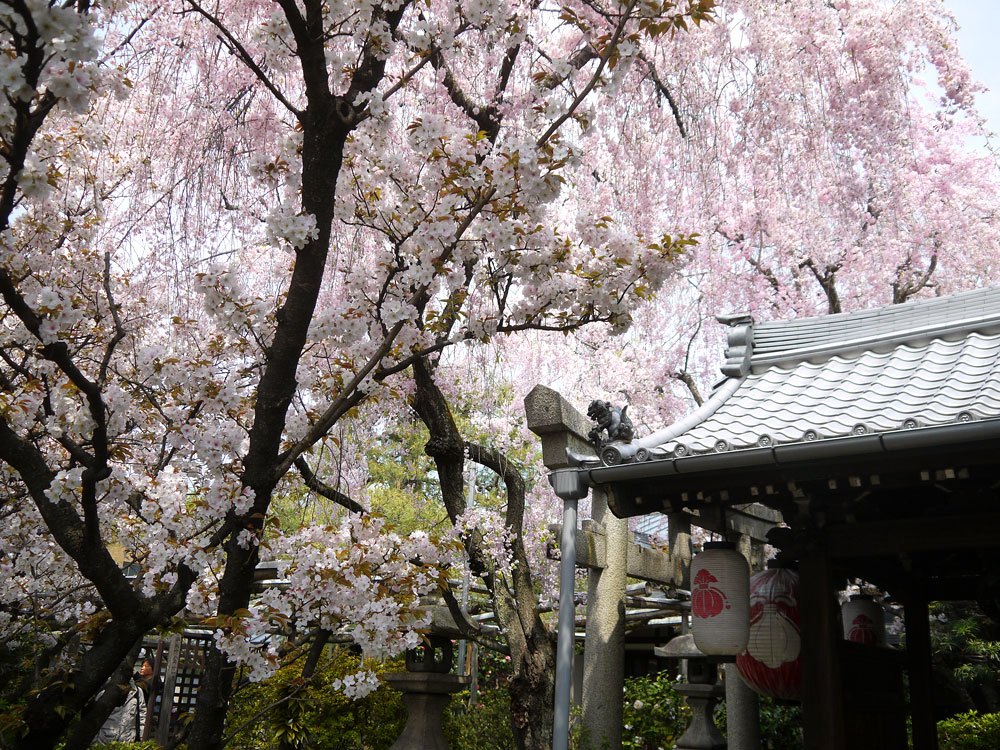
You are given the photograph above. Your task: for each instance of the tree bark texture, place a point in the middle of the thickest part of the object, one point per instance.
(532, 648)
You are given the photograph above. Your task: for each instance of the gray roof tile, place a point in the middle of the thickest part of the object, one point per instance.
(930, 362)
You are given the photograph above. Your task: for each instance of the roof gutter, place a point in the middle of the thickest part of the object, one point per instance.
(796, 454)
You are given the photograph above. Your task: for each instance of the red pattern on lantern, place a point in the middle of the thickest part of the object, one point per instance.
(863, 631)
(772, 661)
(707, 600)
(720, 599)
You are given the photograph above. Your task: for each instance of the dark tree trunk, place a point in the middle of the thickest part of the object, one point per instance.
(326, 124)
(532, 649)
(532, 694)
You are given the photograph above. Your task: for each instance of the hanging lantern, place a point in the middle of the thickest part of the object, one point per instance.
(864, 620)
(720, 599)
(772, 662)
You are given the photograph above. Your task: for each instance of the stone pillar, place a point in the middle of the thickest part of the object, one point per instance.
(679, 544)
(604, 651)
(742, 712)
(742, 703)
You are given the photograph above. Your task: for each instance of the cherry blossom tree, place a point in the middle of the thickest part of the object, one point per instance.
(823, 153)
(226, 230)
(235, 235)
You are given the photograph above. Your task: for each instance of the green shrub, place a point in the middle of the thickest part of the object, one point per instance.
(780, 725)
(969, 731)
(654, 713)
(311, 714)
(485, 722)
(484, 725)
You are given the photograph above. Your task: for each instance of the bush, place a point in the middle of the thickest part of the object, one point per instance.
(655, 715)
(780, 725)
(484, 725)
(969, 731)
(311, 714)
(486, 722)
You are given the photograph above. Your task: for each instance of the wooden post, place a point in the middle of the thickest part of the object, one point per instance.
(918, 656)
(169, 681)
(148, 730)
(822, 690)
(679, 541)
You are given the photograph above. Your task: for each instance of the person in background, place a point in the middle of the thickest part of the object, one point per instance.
(127, 721)
(149, 685)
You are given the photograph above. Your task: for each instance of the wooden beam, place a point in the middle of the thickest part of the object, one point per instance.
(918, 656)
(751, 519)
(930, 534)
(822, 690)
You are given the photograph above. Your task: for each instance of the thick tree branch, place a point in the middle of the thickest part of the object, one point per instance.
(662, 89)
(687, 379)
(322, 488)
(351, 397)
(115, 316)
(510, 473)
(466, 628)
(827, 279)
(902, 290)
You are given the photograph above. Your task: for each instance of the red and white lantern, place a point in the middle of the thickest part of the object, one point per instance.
(720, 600)
(772, 662)
(864, 620)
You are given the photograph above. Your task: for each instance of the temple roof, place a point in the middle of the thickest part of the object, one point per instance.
(897, 396)
(926, 363)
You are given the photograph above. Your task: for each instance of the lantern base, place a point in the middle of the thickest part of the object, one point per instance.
(701, 734)
(426, 695)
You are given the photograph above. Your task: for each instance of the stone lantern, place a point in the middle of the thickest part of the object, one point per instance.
(702, 692)
(426, 686)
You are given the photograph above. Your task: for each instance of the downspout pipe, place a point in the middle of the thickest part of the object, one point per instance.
(570, 487)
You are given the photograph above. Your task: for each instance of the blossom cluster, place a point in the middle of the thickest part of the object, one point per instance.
(357, 578)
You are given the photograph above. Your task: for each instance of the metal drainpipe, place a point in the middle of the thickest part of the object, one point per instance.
(567, 610)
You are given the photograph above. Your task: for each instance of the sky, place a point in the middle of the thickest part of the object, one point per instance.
(979, 26)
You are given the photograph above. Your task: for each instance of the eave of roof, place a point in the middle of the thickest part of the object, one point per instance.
(816, 452)
(919, 448)
(928, 362)
(911, 384)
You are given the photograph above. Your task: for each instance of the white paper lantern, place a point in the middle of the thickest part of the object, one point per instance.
(864, 620)
(772, 662)
(720, 600)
